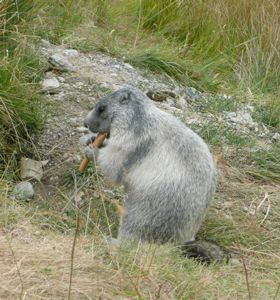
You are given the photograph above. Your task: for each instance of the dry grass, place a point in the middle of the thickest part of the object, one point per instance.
(36, 241)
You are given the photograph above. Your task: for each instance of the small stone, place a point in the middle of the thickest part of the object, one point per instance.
(180, 103)
(46, 43)
(61, 79)
(61, 63)
(23, 191)
(265, 129)
(49, 75)
(193, 93)
(249, 108)
(118, 67)
(231, 115)
(82, 129)
(128, 66)
(77, 158)
(79, 84)
(160, 96)
(71, 52)
(31, 169)
(276, 137)
(50, 84)
(241, 118)
(235, 262)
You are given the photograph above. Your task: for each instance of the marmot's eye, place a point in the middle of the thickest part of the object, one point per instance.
(101, 109)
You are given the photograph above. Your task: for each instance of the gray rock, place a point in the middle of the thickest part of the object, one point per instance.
(60, 62)
(49, 75)
(241, 118)
(82, 129)
(50, 84)
(71, 52)
(46, 43)
(31, 169)
(180, 103)
(231, 115)
(128, 66)
(192, 93)
(23, 191)
(160, 95)
(276, 137)
(61, 79)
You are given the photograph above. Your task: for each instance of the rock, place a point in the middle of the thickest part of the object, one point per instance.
(276, 137)
(79, 84)
(242, 118)
(118, 67)
(265, 130)
(249, 108)
(180, 103)
(82, 129)
(49, 75)
(71, 52)
(23, 191)
(192, 93)
(235, 262)
(61, 63)
(160, 96)
(50, 84)
(45, 43)
(128, 66)
(61, 79)
(31, 169)
(231, 115)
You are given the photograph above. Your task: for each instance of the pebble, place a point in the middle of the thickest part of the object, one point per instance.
(23, 191)
(82, 129)
(71, 52)
(31, 169)
(60, 62)
(276, 137)
(49, 84)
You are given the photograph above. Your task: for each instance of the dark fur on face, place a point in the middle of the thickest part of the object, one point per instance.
(120, 108)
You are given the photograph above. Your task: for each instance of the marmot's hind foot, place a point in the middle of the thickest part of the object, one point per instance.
(205, 252)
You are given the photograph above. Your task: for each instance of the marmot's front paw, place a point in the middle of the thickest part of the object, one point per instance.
(91, 139)
(89, 154)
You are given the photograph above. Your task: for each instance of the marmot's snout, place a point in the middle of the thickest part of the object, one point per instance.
(96, 123)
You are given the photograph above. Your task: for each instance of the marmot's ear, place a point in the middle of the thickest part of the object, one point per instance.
(125, 97)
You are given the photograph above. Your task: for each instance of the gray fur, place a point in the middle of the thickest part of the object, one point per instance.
(167, 169)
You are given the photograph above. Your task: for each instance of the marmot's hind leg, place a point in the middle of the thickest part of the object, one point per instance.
(205, 251)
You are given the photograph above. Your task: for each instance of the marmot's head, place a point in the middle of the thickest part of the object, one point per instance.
(124, 109)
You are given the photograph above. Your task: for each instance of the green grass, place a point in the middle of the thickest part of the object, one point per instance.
(265, 164)
(239, 37)
(268, 111)
(21, 69)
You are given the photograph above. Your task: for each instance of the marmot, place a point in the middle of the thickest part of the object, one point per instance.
(166, 167)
